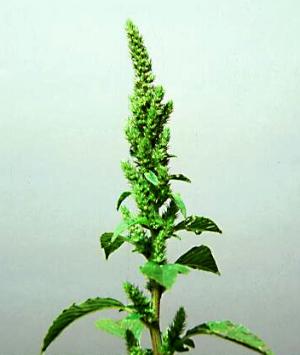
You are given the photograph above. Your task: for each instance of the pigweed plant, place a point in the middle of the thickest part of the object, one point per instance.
(149, 229)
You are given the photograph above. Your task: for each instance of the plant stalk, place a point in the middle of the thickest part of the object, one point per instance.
(155, 328)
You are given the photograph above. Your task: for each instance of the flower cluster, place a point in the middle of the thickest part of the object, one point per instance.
(146, 132)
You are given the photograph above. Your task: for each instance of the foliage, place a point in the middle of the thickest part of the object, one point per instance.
(148, 230)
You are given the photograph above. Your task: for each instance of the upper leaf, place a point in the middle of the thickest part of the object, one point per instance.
(179, 202)
(150, 176)
(165, 274)
(109, 246)
(122, 197)
(171, 211)
(74, 312)
(180, 177)
(125, 224)
(233, 332)
(198, 225)
(199, 258)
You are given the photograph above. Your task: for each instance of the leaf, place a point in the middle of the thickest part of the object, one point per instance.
(170, 211)
(122, 197)
(189, 342)
(171, 156)
(125, 224)
(199, 258)
(74, 312)
(151, 177)
(198, 225)
(109, 246)
(165, 274)
(233, 332)
(121, 227)
(179, 202)
(111, 326)
(180, 177)
(118, 328)
(133, 323)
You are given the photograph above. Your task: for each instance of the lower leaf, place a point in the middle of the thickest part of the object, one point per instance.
(76, 311)
(233, 332)
(119, 327)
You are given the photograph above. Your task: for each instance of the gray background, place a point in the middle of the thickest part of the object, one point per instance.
(232, 69)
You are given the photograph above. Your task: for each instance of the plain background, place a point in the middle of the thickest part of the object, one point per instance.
(232, 70)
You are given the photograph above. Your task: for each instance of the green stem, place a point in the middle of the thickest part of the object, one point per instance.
(154, 328)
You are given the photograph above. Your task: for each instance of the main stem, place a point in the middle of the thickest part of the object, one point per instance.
(155, 329)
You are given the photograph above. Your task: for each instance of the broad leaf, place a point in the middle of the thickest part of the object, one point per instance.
(198, 225)
(74, 312)
(133, 323)
(179, 202)
(199, 258)
(151, 177)
(233, 332)
(122, 197)
(111, 326)
(125, 224)
(165, 275)
(122, 227)
(109, 246)
(118, 328)
(180, 177)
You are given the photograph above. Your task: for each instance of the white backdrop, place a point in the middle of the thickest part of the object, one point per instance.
(232, 70)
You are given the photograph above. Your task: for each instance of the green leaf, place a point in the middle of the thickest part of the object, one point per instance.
(171, 155)
(198, 225)
(118, 328)
(170, 212)
(199, 258)
(109, 246)
(125, 224)
(151, 177)
(121, 227)
(189, 342)
(165, 274)
(180, 177)
(74, 312)
(122, 197)
(133, 323)
(179, 202)
(233, 332)
(111, 326)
